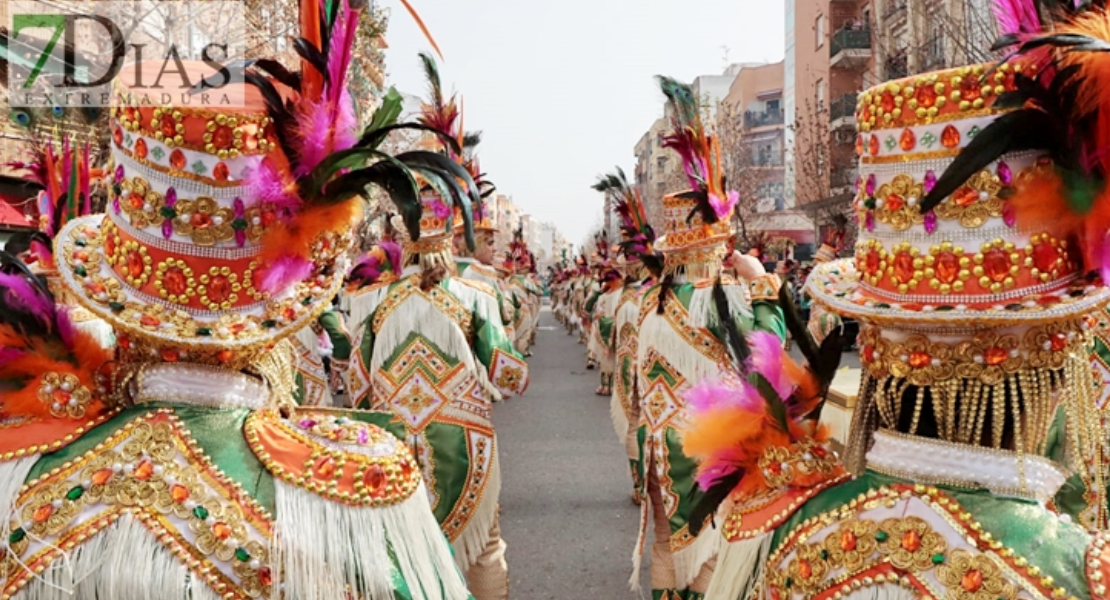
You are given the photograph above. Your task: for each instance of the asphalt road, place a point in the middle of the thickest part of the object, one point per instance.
(566, 512)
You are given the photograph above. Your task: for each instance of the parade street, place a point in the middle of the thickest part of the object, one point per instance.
(566, 509)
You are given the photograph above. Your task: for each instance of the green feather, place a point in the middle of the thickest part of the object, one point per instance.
(1080, 190)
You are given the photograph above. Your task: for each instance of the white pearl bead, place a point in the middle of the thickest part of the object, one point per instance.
(218, 220)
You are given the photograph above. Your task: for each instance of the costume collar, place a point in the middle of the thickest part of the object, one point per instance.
(938, 462)
(198, 385)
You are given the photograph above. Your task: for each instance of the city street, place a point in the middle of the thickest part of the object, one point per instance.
(566, 511)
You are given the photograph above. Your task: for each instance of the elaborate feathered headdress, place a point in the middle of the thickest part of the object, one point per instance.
(327, 163)
(700, 151)
(48, 366)
(66, 178)
(744, 431)
(1062, 108)
(638, 237)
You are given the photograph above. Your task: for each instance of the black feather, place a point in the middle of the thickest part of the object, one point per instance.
(278, 71)
(373, 137)
(796, 326)
(736, 340)
(312, 54)
(276, 108)
(1019, 130)
(393, 177)
(710, 500)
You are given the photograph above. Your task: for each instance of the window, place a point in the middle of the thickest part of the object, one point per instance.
(820, 89)
(774, 106)
(820, 28)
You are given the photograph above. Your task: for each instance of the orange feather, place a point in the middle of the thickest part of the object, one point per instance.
(1093, 95)
(1039, 204)
(297, 238)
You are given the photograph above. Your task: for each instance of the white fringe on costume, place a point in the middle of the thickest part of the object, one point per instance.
(327, 550)
(418, 315)
(13, 474)
(472, 542)
(474, 298)
(125, 561)
(362, 304)
(316, 392)
(656, 333)
(616, 411)
(739, 568)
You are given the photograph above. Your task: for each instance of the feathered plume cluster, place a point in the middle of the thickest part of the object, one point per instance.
(66, 178)
(638, 237)
(775, 403)
(326, 165)
(444, 116)
(1061, 107)
(700, 152)
(37, 340)
(381, 264)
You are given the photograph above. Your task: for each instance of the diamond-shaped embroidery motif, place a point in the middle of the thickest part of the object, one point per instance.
(974, 131)
(890, 142)
(417, 402)
(157, 153)
(928, 140)
(199, 168)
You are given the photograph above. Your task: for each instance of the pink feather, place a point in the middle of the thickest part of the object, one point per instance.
(1016, 16)
(43, 251)
(266, 184)
(393, 253)
(285, 272)
(22, 296)
(710, 395)
(766, 360)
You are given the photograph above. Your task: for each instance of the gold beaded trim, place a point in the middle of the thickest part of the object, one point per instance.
(135, 470)
(895, 203)
(201, 219)
(893, 550)
(933, 97)
(988, 356)
(997, 266)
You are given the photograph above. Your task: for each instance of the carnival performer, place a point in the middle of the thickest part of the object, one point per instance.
(821, 321)
(686, 324)
(601, 308)
(67, 180)
(178, 466)
(430, 348)
(478, 265)
(640, 267)
(963, 485)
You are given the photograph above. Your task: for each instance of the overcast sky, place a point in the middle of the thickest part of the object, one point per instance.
(563, 90)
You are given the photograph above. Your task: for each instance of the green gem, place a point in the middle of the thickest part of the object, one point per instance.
(928, 139)
(788, 582)
(1014, 307)
(881, 536)
(882, 305)
(82, 242)
(938, 559)
(200, 512)
(167, 212)
(307, 301)
(117, 188)
(974, 131)
(239, 224)
(200, 168)
(824, 555)
(269, 323)
(890, 142)
(242, 555)
(945, 308)
(869, 203)
(75, 493)
(158, 153)
(81, 271)
(116, 306)
(204, 331)
(16, 536)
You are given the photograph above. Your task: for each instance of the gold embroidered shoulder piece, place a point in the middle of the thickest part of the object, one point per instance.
(334, 456)
(152, 469)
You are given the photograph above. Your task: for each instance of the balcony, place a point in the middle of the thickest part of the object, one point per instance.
(850, 49)
(767, 118)
(895, 11)
(842, 113)
(896, 68)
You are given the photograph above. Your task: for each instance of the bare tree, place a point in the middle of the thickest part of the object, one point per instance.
(739, 161)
